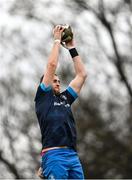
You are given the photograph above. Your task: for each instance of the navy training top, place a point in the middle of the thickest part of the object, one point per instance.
(55, 117)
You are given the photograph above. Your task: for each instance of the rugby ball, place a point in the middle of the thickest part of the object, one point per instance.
(67, 34)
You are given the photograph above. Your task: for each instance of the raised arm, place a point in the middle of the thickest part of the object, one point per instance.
(53, 57)
(80, 70)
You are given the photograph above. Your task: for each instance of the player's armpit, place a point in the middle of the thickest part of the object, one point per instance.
(77, 83)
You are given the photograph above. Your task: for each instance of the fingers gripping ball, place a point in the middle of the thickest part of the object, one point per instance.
(67, 34)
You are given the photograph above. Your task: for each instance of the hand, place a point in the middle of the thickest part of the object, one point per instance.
(68, 45)
(57, 31)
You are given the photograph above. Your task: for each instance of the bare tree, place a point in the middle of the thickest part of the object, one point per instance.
(103, 116)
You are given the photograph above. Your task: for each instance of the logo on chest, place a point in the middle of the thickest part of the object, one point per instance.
(62, 101)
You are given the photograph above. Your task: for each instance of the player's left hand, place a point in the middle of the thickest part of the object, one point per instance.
(68, 45)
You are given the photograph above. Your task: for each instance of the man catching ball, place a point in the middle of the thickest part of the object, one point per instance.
(53, 108)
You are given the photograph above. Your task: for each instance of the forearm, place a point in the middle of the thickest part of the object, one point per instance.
(53, 58)
(77, 83)
(81, 74)
(78, 65)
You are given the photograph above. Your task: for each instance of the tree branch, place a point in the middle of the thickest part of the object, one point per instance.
(118, 61)
(10, 166)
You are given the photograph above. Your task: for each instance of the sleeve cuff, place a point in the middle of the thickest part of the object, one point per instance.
(44, 88)
(72, 92)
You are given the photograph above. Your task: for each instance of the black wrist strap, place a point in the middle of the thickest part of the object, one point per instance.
(73, 52)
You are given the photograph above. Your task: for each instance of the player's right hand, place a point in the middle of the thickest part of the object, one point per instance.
(57, 31)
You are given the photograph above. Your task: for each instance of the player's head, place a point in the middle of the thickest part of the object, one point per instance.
(55, 84)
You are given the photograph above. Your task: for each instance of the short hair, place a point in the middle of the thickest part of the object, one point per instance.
(41, 79)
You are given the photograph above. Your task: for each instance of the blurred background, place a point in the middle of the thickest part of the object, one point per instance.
(103, 112)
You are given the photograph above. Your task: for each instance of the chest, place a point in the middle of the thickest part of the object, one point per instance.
(59, 109)
(60, 101)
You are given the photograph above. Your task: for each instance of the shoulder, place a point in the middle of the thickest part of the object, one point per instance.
(43, 91)
(72, 92)
(69, 94)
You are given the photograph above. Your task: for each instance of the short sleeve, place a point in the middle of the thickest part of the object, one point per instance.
(42, 91)
(70, 94)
